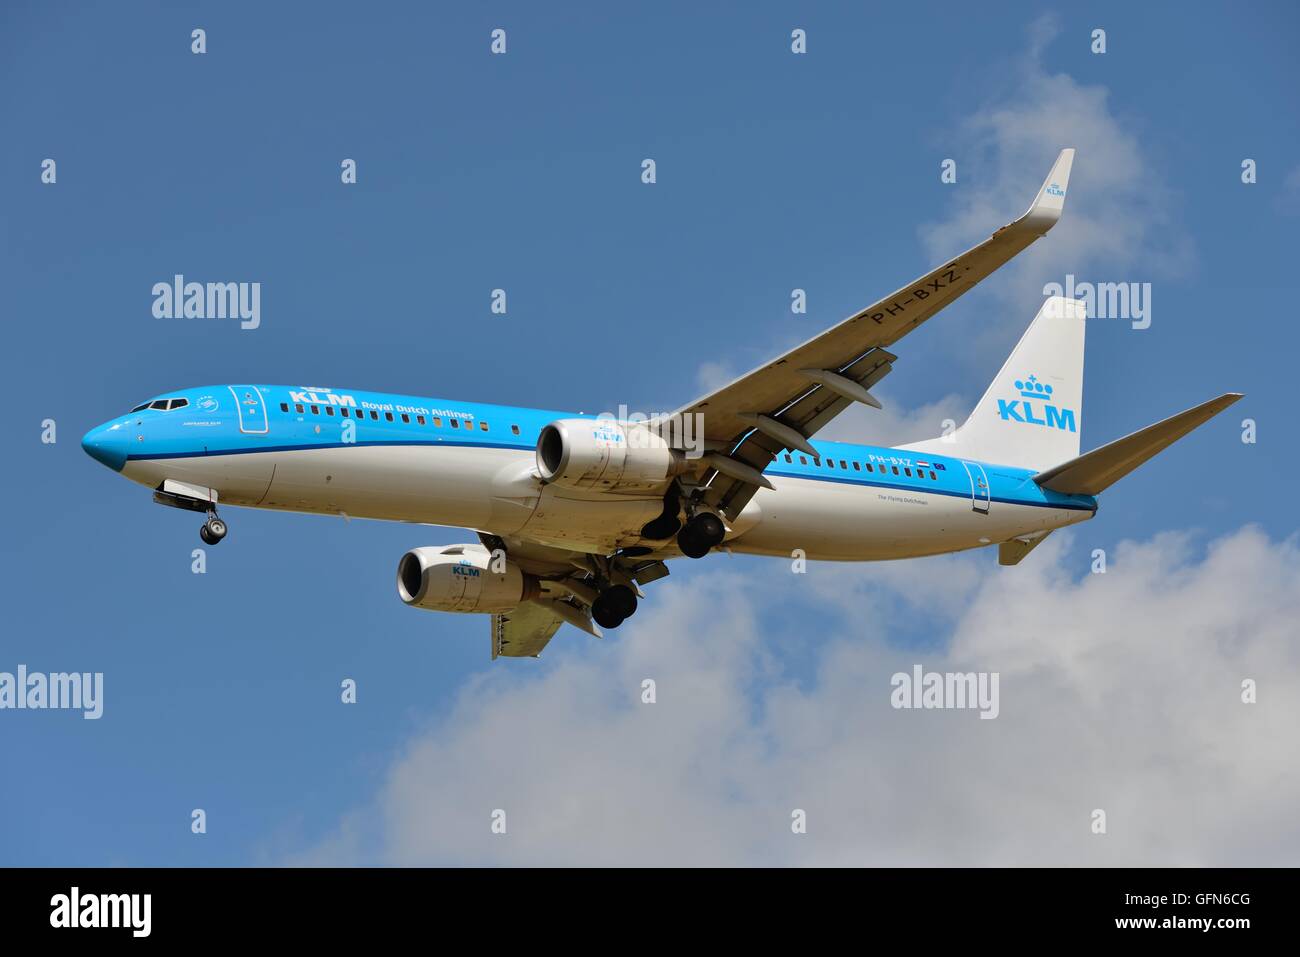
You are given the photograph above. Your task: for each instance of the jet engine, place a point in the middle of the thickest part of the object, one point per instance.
(462, 578)
(606, 455)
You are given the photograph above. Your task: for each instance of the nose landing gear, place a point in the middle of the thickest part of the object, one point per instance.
(213, 530)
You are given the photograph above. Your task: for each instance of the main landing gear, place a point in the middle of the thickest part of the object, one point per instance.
(213, 530)
(613, 606)
(700, 534)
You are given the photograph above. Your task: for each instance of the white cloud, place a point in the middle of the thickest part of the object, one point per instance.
(1118, 224)
(895, 425)
(1118, 691)
(1290, 199)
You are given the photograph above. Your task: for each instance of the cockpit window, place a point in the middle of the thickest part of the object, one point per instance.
(162, 405)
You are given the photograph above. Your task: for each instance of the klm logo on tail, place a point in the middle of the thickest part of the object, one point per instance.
(1035, 394)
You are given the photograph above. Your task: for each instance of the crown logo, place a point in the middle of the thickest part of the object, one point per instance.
(1031, 388)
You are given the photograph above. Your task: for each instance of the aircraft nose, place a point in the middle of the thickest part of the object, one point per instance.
(107, 445)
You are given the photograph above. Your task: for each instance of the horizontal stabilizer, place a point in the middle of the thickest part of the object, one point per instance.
(1101, 468)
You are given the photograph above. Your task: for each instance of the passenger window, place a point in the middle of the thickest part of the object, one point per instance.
(830, 463)
(329, 410)
(315, 410)
(284, 406)
(895, 468)
(787, 457)
(374, 415)
(344, 412)
(932, 476)
(802, 460)
(420, 419)
(388, 416)
(857, 467)
(469, 424)
(817, 461)
(437, 421)
(843, 464)
(483, 425)
(870, 467)
(455, 423)
(515, 430)
(907, 472)
(406, 418)
(298, 406)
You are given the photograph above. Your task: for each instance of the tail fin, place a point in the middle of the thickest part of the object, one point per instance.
(1031, 414)
(1095, 472)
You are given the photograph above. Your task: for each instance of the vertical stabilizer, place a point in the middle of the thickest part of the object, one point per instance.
(1032, 413)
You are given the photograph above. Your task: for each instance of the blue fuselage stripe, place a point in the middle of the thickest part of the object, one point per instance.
(208, 426)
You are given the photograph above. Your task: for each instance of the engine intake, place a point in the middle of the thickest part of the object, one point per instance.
(606, 455)
(461, 578)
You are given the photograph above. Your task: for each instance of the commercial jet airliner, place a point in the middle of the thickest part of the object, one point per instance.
(574, 513)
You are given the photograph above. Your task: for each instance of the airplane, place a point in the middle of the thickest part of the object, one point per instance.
(575, 512)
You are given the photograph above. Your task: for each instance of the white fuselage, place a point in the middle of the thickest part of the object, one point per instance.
(496, 490)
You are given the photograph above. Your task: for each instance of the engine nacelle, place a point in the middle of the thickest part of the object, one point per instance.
(461, 578)
(606, 455)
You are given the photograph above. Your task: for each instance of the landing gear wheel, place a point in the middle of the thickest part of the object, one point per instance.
(213, 531)
(622, 600)
(700, 534)
(605, 613)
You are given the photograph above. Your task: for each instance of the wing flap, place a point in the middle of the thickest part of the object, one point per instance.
(523, 632)
(807, 414)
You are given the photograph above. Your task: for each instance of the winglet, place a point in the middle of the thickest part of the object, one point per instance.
(1046, 209)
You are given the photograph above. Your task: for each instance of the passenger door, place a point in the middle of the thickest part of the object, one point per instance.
(979, 487)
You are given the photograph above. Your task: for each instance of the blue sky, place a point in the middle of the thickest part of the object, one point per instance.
(522, 172)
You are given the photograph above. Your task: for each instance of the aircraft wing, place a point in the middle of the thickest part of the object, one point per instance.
(789, 399)
(523, 632)
(569, 582)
